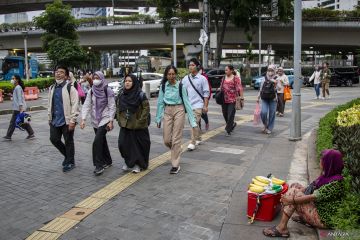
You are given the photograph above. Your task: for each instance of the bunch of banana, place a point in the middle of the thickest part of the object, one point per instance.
(261, 184)
(277, 181)
(255, 188)
(262, 179)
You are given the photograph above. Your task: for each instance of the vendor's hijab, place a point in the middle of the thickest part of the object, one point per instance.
(131, 98)
(100, 95)
(332, 167)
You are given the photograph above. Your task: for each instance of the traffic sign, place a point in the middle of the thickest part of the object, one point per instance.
(203, 37)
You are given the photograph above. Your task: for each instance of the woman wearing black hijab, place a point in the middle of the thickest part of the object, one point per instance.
(134, 138)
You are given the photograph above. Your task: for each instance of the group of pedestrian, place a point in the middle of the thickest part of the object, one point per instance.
(321, 79)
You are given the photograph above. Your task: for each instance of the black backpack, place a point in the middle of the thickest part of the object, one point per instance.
(268, 91)
(180, 92)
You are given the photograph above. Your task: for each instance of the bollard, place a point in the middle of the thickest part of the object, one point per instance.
(147, 90)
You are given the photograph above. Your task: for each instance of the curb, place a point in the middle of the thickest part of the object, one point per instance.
(29, 109)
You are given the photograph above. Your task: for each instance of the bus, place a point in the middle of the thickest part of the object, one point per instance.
(12, 65)
(151, 63)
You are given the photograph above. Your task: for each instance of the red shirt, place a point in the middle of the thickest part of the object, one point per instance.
(231, 89)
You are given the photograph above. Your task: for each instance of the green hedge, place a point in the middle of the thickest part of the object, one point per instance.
(325, 132)
(41, 83)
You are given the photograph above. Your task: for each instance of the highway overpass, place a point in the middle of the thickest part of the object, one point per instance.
(13, 6)
(321, 35)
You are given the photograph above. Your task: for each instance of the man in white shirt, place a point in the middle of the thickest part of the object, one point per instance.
(198, 92)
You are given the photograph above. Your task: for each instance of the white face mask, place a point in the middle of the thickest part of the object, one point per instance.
(97, 82)
(59, 81)
(12, 81)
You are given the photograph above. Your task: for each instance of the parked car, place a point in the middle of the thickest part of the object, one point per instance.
(46, 74)
(153, 78)
(346, 76)
(289, 72)
(215, 76)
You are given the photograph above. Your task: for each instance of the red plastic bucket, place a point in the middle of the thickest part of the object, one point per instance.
(269, 205)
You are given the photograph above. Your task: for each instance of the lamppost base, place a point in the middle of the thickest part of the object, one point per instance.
(295, 139)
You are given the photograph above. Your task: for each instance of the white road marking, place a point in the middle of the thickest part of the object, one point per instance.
(228, 150)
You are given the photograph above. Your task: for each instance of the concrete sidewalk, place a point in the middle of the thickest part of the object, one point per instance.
(206, 200)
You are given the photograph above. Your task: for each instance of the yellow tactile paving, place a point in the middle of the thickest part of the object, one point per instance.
(59, 225)
(92, 203)
(39, 235)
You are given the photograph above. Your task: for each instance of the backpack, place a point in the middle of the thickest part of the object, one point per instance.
(268, 91)
(180, 91)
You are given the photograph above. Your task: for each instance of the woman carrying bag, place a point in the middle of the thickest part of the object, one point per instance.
(133, 117)
(230, 97)
(173, 103)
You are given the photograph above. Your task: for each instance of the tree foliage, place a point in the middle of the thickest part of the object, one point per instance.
(60, 39)
(242, 13)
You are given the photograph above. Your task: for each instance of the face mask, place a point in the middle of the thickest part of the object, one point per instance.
(97, 82)
(59, 81)
(12, 81)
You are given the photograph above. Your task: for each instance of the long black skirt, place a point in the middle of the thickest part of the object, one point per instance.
(134, 146)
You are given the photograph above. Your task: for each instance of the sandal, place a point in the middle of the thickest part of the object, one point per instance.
(300, 220)
(275, 233)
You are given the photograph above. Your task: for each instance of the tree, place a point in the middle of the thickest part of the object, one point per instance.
(60, 39)
(242, 13)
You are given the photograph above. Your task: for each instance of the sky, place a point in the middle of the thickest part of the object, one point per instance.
(30, 15)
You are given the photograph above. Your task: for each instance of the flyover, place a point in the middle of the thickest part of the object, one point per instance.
(320, 35)
(13, 6)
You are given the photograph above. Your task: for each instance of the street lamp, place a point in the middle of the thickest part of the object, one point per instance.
(174, 21)
(25, 35)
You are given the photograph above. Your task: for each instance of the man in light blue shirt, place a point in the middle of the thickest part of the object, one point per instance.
(198, 91)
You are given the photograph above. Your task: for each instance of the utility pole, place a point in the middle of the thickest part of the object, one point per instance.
(295, 126)
(25, 34)
(206, 29)
(174, 21)
(260, 42)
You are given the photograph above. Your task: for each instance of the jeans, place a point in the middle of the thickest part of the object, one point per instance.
(67, 149)
(100, 148)
(12, 124)
(228, 111)
(317, 89)
(268, 109)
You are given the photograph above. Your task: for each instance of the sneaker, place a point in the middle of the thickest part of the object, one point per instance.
(281, 114)
(174, 170)
(191, 147)
(125, 168)
(207, 127)
(268, 131)
(197, 143)
(98, 171)
(316, 98)
(227, 134)
(322, 98)
(107, 166)
(277, 113)
(6, 138)
(68, 167)
(136, 169)
(32, 136)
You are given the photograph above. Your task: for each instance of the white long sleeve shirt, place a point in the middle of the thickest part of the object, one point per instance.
(316, 77)
(107, 115)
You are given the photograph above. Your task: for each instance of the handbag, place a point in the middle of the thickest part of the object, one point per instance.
(219, 94)
(310, 189)
(257, 114)
(238, 105)
(287, 93)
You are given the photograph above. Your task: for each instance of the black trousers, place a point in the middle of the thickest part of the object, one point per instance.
(228, 111)
(67, 149)
(12, 124)
(100, 148)
(280, 103)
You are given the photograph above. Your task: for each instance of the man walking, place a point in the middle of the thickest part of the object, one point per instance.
(63, 112)
(325, 77)
(198, 92)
